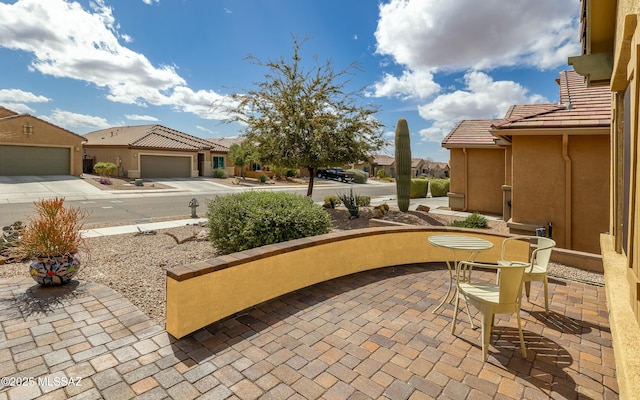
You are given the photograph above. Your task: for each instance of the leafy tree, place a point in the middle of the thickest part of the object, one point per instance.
(242, 154)
(305, 117)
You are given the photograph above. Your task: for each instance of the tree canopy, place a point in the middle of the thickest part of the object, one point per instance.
(305, 117)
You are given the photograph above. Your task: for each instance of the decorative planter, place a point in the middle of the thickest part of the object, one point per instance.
(56, 270)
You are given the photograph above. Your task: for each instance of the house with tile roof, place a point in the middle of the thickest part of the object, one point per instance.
(155, 151)
(385, 163)
(609, 35)
(542, 166)
(32, 146)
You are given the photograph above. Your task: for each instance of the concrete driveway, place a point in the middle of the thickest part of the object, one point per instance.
(26, 189)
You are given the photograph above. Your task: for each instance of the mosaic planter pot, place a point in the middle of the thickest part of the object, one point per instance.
(56, 270)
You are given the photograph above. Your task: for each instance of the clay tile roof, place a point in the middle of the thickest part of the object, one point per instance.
(415, 162)
(149, 136)
(580, 106)
(226, 142)
(473, 132)
(381, 159)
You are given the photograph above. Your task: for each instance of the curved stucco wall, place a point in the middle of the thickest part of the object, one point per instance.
(202, 293)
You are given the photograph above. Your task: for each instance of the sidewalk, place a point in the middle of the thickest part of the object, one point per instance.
(437, 205)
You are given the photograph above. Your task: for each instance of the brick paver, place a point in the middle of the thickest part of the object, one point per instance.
(369, 335)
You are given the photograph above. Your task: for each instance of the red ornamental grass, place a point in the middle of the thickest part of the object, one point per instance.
(53, 230)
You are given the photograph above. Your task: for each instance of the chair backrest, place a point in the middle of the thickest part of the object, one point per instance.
(542, 253)
(539, 256)
(510, 282)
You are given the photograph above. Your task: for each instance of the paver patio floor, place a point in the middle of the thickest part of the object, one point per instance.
(369, 335)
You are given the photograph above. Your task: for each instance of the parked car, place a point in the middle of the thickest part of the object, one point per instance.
(337, 174)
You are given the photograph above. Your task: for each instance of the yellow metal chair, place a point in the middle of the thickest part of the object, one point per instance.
(537, 265)
(503, 297)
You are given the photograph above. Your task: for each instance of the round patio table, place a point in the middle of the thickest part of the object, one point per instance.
(458, 243)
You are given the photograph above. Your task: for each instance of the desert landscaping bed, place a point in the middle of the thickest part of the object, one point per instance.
(135, 264)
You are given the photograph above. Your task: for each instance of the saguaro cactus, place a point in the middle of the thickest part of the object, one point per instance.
(403, 164)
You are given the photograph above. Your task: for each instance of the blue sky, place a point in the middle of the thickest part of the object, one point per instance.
(89, 65)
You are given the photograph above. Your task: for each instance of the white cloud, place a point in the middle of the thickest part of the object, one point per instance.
(135, 117)
(20, 108)
(458, 34)
(71, 121)
(461, 35)
(410, 84)
(202, 128)
(68, 41)
(20, 96)
(482, 98)
(150, 1)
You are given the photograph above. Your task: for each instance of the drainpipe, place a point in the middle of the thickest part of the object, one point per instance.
(466, 178)
(567, 190)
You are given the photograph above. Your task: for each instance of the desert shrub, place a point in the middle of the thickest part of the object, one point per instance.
(473, 221)
(329, 199)
(387, 179)
(251, 219)
(363, 201)
(380, 174)
(349, 201)
(291, 173)
(360, 175)
(219, 173)
(279, 172)
(439, 187)
(263, 178)
(418, 188)
(105, 168)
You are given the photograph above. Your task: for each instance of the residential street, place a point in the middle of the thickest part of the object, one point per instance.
(125, 207)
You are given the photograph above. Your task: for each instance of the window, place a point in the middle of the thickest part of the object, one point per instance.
(218, 162)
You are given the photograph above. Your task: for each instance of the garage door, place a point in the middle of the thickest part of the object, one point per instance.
(165, 167)
(28, 160)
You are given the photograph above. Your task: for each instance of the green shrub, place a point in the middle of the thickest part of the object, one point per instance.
(291, 173)
(387, 179)
(251, 219)
(105, 168)
(263, 178)
(381, 174)
(329, 199)
(363, 201)
(279, 172)
(473, 221)
(360, 175)
(418, 188)
(219, 173)
(439, 187)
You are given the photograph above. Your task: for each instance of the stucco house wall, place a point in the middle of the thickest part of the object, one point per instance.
(484, 192)
(569, 190)
(126, 147)
(27, 130)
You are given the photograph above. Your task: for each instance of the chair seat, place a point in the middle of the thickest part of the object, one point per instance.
(484, 292)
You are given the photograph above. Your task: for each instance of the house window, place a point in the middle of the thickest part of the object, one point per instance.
(218, 162)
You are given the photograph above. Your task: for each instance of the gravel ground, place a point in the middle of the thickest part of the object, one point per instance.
(135, 265)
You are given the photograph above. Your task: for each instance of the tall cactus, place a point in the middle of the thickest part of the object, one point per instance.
(403, 164)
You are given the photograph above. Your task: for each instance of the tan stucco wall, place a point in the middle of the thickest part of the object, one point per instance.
(43, 134)
(590, 186)
(486, 177)
(476, 179)
(237, 281)
(128, 159)
(570, 192)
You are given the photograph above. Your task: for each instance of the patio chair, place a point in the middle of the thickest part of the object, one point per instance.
(537, 266)
(503, 297)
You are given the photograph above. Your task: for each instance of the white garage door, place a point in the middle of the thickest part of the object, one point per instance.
(165, 167)
(29, 160)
